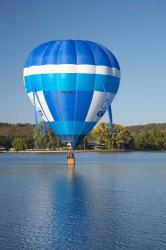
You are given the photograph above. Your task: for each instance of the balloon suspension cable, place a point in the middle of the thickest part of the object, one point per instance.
(109, 112)
(35, 113)
(44, 128)
(110, 120)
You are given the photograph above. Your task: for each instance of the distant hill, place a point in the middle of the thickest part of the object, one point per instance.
(27, 129)
(14, 130)
(147, 127)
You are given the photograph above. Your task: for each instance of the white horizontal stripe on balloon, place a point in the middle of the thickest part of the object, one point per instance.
(71, 68)
(41, 105)
(99, 104)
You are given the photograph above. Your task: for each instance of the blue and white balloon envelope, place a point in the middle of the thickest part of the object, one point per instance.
(73, 83)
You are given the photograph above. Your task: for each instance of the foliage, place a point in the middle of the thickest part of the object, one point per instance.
(119, 138)
(49, 141)
(142, 137)
(19, 144)
(151, 140)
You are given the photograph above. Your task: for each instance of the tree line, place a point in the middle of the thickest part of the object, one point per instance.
(145, 137)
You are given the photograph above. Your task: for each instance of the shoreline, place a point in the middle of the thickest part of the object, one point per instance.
(78, 151)
(65, 151)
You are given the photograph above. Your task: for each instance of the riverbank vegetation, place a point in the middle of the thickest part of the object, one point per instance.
(142, 137)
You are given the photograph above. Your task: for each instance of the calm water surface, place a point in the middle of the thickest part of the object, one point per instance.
(110, 201)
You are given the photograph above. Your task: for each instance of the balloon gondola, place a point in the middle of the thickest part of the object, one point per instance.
(71, 83)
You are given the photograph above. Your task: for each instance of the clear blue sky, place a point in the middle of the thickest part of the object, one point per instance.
(134, 30)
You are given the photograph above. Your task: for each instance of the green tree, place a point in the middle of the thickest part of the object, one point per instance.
(19, 144)
(121, 138)
(52, 140)
(154, 139)
(102, 134)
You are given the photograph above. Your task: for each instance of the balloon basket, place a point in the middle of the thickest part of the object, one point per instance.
(70, 159)
(71, 162)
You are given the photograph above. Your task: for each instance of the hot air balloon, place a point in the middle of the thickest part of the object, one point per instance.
(71, 83)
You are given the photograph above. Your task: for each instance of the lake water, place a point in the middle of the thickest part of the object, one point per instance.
(111, 201)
